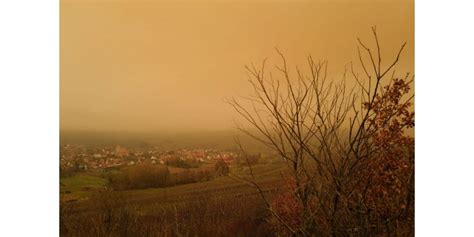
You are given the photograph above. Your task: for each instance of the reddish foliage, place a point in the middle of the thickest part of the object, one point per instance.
(288, 208)
(385, 181)
(381, 192)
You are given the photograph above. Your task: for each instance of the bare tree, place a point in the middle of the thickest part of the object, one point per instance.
(328, 133)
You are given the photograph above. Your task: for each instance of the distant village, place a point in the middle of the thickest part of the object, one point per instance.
(81, 158)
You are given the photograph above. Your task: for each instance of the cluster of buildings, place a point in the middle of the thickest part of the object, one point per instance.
(76, 157)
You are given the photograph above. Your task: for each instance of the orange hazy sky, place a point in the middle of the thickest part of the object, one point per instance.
(168, 65)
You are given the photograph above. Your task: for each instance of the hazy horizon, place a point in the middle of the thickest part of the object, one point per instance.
(139, 66)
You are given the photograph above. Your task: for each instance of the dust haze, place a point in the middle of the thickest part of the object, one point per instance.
(169, 65)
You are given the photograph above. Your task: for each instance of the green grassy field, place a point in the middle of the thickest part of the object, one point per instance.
(80, 186)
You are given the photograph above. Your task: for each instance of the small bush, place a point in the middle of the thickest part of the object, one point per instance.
(221, 168)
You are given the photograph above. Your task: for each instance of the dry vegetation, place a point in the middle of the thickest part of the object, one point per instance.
(350, 159)
(207, 215)
(208, 208)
